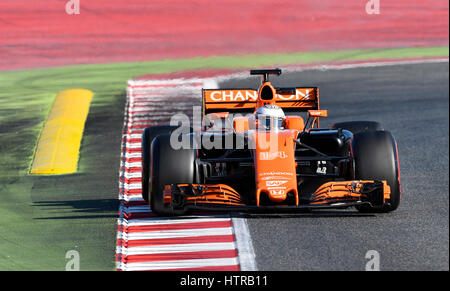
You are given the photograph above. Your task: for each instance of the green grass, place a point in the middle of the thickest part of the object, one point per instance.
(31, 241)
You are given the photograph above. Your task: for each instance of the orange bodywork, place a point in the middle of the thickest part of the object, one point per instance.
(334, 192)
(318, 113)
(240, 124)
(207, 195)
(295, 122)
(274, 159)
(328, 193)
(246, 100)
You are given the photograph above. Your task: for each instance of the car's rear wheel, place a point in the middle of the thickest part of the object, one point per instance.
(358, 126)
(376, 158)
(169, 166)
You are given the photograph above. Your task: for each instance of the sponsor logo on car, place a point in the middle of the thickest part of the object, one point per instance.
(252, 95)
(275, 183)
(266, 156)
(277, 192)
(233, 95)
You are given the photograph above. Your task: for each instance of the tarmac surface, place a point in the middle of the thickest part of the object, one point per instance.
(411, 101)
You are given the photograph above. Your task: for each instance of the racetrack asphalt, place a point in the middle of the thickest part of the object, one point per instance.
(411, 101)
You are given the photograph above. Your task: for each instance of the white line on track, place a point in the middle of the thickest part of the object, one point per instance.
(179, 248)
(180, 264)
(244, 244)
(176, 233)
(165, 220)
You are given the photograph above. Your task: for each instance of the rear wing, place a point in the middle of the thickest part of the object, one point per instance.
(294, 100)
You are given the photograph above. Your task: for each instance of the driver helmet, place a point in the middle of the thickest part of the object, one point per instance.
(269, 117)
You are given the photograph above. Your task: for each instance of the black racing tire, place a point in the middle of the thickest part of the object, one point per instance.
(376, 158)
(358, 126)
(169, 166)
(147, 137)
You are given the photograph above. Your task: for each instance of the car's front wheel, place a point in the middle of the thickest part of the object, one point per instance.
(376, 158)
(169, 166)
(147, 138)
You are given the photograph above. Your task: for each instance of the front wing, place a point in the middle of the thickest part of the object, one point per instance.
(218, 197)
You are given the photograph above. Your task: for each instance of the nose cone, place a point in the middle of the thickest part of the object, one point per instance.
(275, 172)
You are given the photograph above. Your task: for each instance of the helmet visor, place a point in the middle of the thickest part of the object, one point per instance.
(270, 123)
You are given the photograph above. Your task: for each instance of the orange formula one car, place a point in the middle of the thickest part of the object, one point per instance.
(263, 150)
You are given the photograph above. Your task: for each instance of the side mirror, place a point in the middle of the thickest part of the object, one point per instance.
(318, 113)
